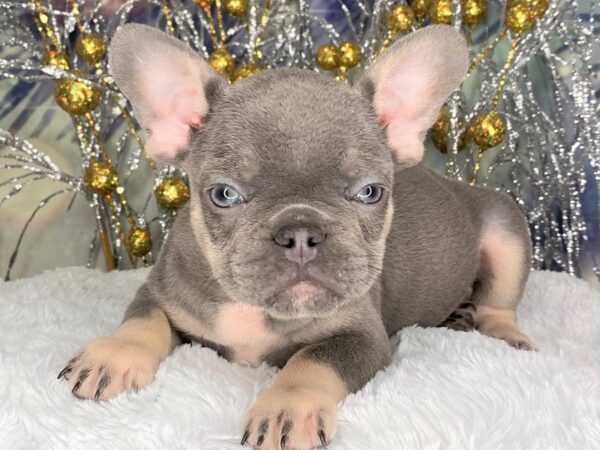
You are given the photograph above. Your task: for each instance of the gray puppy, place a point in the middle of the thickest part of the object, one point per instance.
(312, 233)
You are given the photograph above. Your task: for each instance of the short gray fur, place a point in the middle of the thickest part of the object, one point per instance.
(295, 137)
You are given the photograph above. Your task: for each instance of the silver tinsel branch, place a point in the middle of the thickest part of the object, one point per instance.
(549, 160)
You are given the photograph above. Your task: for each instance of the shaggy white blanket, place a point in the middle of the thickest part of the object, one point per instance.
(443, 390)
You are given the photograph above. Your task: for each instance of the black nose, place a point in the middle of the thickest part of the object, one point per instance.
(300, 243)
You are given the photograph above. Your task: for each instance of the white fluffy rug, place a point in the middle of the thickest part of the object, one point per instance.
(444, 389)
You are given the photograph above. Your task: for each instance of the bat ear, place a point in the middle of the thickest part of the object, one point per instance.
(165, 81)
(411, 81)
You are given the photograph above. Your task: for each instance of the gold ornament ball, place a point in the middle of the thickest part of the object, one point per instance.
(245, 71)
(441, 129)
(76, 97)
(487, 130)
(473, 11)
(90, 47)
(221, 60)
(172, 193)
(139, 242)
(538, 8)
(420, 8)
(350, 54)
(328, 57)
(58, 59)
(100, 177)
(440, 11)
(519, 16)
(237, 8)
(400, 19)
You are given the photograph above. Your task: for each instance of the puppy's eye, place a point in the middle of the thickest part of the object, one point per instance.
(225, 196)
(371, 193)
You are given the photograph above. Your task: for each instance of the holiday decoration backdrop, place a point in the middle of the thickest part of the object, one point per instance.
(75, 187)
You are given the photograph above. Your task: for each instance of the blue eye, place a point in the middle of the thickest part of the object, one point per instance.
(371, 193)
(225, 196)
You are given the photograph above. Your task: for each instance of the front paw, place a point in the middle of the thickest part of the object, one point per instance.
(517, 340)
(108, 366)
(510, 334)
(290, 418)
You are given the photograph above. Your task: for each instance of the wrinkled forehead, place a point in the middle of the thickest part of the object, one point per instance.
(292, 123)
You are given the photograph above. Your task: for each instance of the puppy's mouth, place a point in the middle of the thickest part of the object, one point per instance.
(304, 296)
(304, 290)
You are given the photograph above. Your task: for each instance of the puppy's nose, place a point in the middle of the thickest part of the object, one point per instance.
(300, 243)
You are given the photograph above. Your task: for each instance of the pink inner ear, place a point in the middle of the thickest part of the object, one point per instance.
(172, 105)
(402, 97)
(405, 140)
(167, 137)
(412, 80)
(185, 107)
(170, 130)
(404, 129)
(401, 103)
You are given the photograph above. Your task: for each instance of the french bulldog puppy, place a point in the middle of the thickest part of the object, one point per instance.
(312, 234)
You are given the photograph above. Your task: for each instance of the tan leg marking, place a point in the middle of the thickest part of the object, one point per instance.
(502, 324)
(504, 255)
(495, 315)
(299, 410)
(125, 360)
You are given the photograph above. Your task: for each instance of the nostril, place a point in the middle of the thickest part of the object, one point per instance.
(284, 240)
(298, 238)
(315, 240)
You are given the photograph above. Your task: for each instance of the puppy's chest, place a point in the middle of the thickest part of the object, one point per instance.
(243, 329)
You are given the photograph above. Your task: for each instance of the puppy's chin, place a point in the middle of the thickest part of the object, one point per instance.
(303, 299)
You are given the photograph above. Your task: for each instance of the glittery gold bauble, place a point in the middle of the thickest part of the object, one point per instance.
(538, 7)
(172, 193)
(328, 57)
(244, 71)
(350, 54)
(487, 130)
(100, 177)
(139, 242)
(441, 129)
(76, 97)
(204, 4)
(90, 47)
(420, 8)
(237, 8)
(519, 16)
(473, 11)
(440, 11)
(400, 19)
(58, 59)
(221, 60)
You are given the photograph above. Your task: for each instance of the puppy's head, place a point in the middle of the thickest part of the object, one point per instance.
(291, 172)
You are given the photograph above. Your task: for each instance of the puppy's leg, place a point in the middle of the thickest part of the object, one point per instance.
(505, 265)
(125, 360)
(299, 410)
